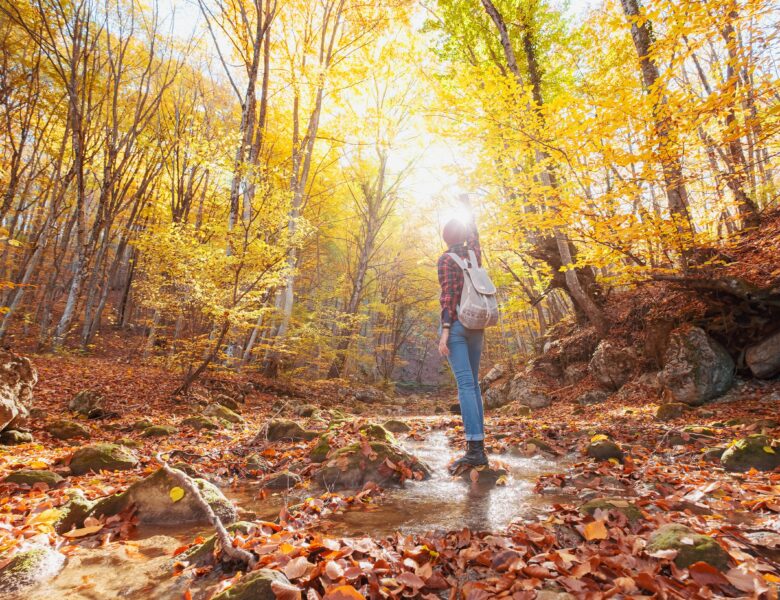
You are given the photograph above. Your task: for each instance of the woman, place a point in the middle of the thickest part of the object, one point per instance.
(461, 346)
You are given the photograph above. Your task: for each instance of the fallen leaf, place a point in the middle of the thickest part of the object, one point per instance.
(285, 591)
(343, 592)
(176, 493)
(297, 567)
(83, 532)
(595, 530)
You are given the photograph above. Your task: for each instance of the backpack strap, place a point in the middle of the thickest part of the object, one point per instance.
(458, 260)
(473, 259)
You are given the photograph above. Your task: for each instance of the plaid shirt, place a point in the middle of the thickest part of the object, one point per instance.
(451, 275)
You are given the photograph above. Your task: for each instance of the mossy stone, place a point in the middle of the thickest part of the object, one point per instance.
(713, 454)
(540, 445)
(227, 402)
(306, 410)
(671, 410)
(159, 431)
(31, 477)
(201, 553)
(218, 411)
(63, 429)
(14, 437)
(142, 424)
(756, 451)
(73, 512)
(604, 450)
(320, 451)
(631, 512)
(376, 432)
(256, 585)
(396, 426)
(285, 429)
(102, 457)
(691, 547)
(199, 422)
(349, 467)
(30, 567)
(129, 442)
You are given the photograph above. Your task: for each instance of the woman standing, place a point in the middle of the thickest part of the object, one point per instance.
(461, 346)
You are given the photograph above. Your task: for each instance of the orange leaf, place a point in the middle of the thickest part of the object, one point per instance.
(343, 592)
(596, 530)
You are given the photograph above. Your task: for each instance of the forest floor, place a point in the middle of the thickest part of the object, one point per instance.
(555, 524)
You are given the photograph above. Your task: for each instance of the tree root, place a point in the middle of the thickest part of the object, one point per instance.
(236, 554)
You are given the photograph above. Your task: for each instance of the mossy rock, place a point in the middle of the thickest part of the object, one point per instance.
(671, 410)
(320, 451)
(256, 585)
(67, 430)
(396, 426)
(218, 411)
(142, 424)
(691, 547)
(14, 437)
(30, 567)
(700, 430)
(256, 462)
(88, 403)
(377, 433)
(306, 410)
(199, 422)
(31, 477)
(631, 512)
(284, 429)
(283, 480)
(713, 454)
(201, 554)
(102, 457)
(73, 512)
(604, 450)
(756, 451)
(159, 431)
(737, 421)
(129, 442)
(227, 402)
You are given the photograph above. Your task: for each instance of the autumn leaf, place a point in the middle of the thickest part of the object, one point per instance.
(176, 494)
(343, 592)
(297, 567)
(83, 532)
(285, 591)
(595, 530)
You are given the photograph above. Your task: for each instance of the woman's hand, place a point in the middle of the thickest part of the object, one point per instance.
(443, 349)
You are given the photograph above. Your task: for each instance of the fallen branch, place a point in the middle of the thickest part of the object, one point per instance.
(236, 554)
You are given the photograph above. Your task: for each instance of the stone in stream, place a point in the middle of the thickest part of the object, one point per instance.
(159, 431)
(352, 466)
(691, 547)
(15, 437)
(284, 429)
(62, 429)
(283, 480)
(88, 403)
(222, 412)
(202, 553)
(31, 477)
(753, 452)
(605, 450)
(484, 476)
(30, 566)
(671, 410)
(396, 426)
(17, 380)
(257, 585)
(73, 512)
(611, 365)
(155, 502)
(697, 369)
(102, 457)
(199, 422)
(763, 359)
(377, 433)
(629, 510)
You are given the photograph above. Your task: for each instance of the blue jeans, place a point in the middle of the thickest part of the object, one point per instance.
(465, 347)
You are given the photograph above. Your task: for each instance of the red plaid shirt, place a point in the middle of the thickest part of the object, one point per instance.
(451, 275)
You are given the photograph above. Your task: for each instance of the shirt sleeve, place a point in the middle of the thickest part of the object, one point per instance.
(447, 283)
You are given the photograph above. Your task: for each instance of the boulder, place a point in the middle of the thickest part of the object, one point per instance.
(30, 566)
(352, 466)
(763, 359)
(284, 429)
(535, 444)
(156, 505)
(495, 396)
(257, 585)
(592, 397)
(575, 372)
(159, 431)
(88, 403)
(396, 426)
(17, 380)
(31, 477)
(283, 480)
(631, 512)
(377, 433)
(256, 462)
(14, 437)
(713, 454)
(369, 396)
(496, 373)
(691, 547)
(198, 422)
(527, 391)
(222, 412)
(696, 368)
(73, 512)
(611, 365)
(62, 429)
(671, 410)
(604, 450)
(102, 457)
(753, 452)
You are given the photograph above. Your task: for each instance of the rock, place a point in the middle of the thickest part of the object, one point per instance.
(592, 397)
(284, 429)
(631, 512)
(222, 412)
(102, 457)
(159, 431)
(227, 402)
(31, 477)
(256, 585)
(484, 476)
(320, 451)
(696, 368)
(455, 408)
(67, 430)
(691, 547)
(396, 426)
(604, 450)
(350, 468)
(575, 372)
(763, 359)
(671, 410)
(255, 462)
(200, 554)
(17, 380)
(73, 512)
(611, 365)
(306, 410)
(534, 444)
(377, 433)
(129, 442)
(199, 422)
(753, 452)
(712, 454)
(152, 499)
(142, 424)
(369, 396)
(525, 390)
(31, 566)
(88, 403)
(283, 480)
(496, 373)
(14, 437)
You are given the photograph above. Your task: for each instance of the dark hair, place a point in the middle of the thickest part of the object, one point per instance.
(454, 232)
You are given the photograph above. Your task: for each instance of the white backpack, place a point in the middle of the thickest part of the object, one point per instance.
(478, 306)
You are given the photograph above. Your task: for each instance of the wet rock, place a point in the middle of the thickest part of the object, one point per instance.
(14, 437)
(377, 433)
(484, 476)
(527, 391)
(17, 380)
(257, 585)
(199, 422)
(102, 457)
(201, 554)
(283, 480)
(222, 412)
(592, 397)
(352, 466)
(604, 450)
(535, 444)
(284, 429)
(154, 503)
(763, 359)
(31, 566)
(227, 402)
(73, 512)
(396, 426)
(159, 431)
(565, 535)
(612, 365)
(691, 547)
(671, 410)
(67, 430)
(753, 452)
(696, 368)
(631, 512)
(88, 403)
(31, 477)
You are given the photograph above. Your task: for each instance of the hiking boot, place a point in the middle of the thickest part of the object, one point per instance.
(475, 457)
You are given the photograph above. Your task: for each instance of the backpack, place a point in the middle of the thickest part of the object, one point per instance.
(478, 307)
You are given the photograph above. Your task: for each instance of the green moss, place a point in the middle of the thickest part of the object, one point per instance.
(66, 430)
(284, 429)
(320, 451)
(102, 457)
(142, 424)
(373, 431)
(254, 586)
(198, 422)
(691, 547)
(223, 412)
(31, 477)
(202, 552)
(159, 431)
(73, 512)
(30, 567)
(756, 451)
(631, 512)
